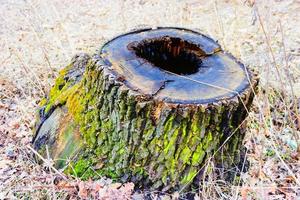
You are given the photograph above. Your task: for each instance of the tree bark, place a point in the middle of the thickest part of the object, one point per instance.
(104, 117)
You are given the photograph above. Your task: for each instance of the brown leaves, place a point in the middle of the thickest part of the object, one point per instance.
(116, 191)
(97, 189)
(83, 190)
(244, 192)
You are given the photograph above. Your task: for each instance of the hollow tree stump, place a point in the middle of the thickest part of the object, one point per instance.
(151, 107)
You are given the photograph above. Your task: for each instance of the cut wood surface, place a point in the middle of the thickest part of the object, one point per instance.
(151, 107)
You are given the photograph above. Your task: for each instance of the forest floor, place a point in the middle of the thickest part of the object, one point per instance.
(39, 37)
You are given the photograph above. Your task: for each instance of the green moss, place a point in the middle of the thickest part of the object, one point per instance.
(169, 144)
(43, 102)
(110, 173)
(80, 167)
(75, 101)
(207, 140)
(169, 124)
(186, 155)
(93, 128)
(190, 175)
(57, 91)
(198, 155)
(196, 126)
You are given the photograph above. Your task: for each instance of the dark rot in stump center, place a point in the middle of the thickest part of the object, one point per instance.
(152, 107)
(170, 54)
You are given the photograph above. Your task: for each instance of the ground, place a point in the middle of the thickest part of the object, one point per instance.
(39, 37)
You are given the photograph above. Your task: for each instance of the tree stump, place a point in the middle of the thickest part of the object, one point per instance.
(152, 106)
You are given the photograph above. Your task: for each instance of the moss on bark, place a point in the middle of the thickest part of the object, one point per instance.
(124, 140)
(129, 136)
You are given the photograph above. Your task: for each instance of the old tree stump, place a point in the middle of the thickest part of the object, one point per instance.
(152, 106)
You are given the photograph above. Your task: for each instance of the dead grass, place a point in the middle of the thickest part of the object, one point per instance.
(39, 37)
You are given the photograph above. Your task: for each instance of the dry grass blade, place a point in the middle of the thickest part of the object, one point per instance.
(47, 162)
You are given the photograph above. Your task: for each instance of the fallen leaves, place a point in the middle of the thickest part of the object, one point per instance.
(97, 189)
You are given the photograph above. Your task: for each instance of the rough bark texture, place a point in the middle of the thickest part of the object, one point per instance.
(97, 125)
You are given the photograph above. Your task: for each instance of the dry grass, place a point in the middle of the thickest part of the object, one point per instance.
(39, 37)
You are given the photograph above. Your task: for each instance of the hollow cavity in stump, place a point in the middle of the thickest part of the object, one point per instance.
(152, 107)
(170, 54)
